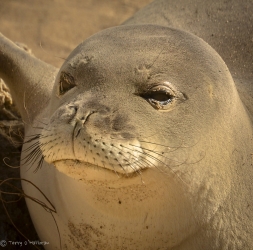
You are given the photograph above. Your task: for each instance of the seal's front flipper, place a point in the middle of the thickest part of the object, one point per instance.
(30, 80)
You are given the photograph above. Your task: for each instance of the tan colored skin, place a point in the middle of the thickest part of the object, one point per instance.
(186, 183)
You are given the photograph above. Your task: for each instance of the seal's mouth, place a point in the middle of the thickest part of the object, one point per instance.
(121, 158)
(79, 166)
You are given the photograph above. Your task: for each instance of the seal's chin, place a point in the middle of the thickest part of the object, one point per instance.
(86, 171)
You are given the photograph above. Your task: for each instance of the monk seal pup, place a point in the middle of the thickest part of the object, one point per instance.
(140, 152)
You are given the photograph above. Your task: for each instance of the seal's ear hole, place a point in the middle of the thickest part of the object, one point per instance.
(66, 83)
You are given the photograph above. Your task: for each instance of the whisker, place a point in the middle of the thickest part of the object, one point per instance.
(40, 163)
(159, 161)
(145, 154)
(137, 162)
(180, 163)
(35, 153)
(34, 137)
(130, 164)
(156, 153)
(31, 155)
(169, 147)
(34, 145)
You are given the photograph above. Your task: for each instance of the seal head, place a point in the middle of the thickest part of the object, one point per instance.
(99, 104)
(142, 117)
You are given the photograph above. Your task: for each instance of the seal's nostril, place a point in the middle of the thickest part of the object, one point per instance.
(84, 117)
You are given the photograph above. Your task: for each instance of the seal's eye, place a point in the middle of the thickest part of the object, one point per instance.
(160, 97)
(66, 83)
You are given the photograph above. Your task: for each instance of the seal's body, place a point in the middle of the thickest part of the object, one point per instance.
(144, 142)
